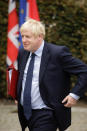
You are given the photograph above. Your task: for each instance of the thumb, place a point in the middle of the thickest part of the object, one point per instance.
(16, 102)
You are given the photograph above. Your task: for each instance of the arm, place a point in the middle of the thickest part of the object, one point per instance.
(74, 66)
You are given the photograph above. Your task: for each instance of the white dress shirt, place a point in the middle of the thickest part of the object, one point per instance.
(36, 100)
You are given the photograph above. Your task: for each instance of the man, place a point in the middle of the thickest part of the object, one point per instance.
(43, 90)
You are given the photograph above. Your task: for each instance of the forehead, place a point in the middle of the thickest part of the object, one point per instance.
(26, 32)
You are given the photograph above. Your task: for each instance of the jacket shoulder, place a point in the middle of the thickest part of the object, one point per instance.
(57, 48)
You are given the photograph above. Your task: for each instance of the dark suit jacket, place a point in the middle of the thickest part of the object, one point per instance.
(57, 64)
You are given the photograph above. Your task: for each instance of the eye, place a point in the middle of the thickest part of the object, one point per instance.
(22, 36)
(27, 36)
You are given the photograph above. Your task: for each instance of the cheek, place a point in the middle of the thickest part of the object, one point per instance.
(31, 45)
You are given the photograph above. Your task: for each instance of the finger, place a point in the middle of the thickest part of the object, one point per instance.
(67, 104)
(65, 100)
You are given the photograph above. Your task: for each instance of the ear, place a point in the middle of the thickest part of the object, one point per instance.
(40, 37)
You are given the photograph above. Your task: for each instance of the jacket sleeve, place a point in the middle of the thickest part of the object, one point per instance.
(75, 66)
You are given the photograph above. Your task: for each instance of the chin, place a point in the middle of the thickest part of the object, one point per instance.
(26, 48)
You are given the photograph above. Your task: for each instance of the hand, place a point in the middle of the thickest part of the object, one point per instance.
(16, 102)
(69, 101)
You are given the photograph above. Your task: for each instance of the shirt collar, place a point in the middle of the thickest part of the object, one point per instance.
(38, 52)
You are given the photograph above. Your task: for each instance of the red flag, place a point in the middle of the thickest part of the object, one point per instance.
(12, 48)
(12, 40)
(28, 8)
(32, 10)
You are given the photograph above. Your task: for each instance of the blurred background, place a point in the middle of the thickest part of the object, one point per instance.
(66, 24)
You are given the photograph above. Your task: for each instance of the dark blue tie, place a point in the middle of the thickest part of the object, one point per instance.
(27, 89)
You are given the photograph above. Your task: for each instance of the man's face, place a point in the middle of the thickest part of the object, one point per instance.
(30, 42)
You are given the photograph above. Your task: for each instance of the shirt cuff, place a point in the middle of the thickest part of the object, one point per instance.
(74, 96)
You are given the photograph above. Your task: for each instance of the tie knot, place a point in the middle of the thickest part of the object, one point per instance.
(32, 55)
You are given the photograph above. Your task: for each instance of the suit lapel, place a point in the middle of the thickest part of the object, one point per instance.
(44, 62)
(24, 60)
(22, 67)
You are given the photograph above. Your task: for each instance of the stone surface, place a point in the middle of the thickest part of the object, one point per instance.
(9, 119)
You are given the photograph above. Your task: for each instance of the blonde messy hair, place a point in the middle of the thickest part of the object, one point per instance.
(36, 27)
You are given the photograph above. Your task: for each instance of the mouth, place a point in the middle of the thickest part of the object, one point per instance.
(25, 45)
